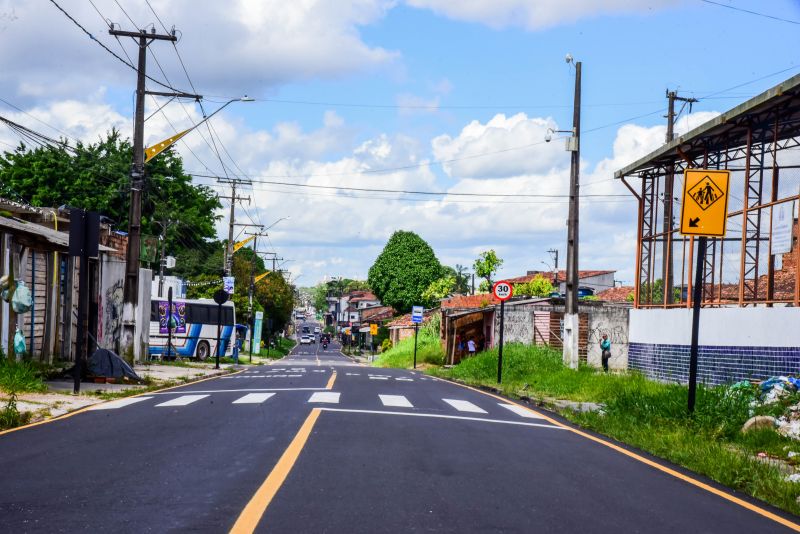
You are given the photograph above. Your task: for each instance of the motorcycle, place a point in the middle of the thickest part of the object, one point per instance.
(324, 346)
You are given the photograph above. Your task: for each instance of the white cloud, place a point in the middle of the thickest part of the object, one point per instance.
(482, 150)
(533, 14)
(241, 46)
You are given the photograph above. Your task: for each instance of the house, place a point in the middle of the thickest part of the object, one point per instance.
(34, 246)
(466, 317)
(402, 327)
(596, 280)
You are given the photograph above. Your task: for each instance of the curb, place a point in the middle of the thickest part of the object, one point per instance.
(86, 408)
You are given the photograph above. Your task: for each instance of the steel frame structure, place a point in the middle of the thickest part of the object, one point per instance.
(753, 141)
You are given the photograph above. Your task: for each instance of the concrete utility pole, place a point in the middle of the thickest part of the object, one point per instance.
(669, 186)
(571, 321)
(131, 291)
(232, 221)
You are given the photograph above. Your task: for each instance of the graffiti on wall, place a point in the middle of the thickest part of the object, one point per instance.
(616, 334)
(112, 312)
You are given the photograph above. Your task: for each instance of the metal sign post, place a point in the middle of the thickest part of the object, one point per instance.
(503, 291)
(417, 313)
(220, 297)
(169, 323)
(704, 213)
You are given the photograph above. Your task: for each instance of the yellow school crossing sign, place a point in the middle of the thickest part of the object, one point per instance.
(704, 210)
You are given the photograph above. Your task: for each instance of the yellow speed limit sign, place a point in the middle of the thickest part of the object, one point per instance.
(704, 210)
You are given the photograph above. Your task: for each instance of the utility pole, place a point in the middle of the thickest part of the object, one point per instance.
(131, 291)
(554, 254)
(232, 220)
(571, 321)
(669, 186)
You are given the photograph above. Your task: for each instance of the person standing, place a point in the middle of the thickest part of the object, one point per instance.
(605, 348)
(471, 347)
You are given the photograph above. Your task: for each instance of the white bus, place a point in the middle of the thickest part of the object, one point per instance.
(195, 332)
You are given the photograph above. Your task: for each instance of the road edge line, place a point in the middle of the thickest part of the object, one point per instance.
(89, 407)
(663, 468)
(252, 513)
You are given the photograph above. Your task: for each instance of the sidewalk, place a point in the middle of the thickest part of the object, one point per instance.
(59, 399)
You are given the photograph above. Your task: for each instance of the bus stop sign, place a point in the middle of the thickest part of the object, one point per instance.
(704, 210)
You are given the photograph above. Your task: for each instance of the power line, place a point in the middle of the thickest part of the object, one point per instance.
(424, 193)
(107, 49)
(751, 12)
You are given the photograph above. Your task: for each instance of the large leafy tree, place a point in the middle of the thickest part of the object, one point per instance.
(403, 271)
(486, 266)
(95, 176)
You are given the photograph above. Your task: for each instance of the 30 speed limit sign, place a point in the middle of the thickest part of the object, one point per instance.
(502, 290)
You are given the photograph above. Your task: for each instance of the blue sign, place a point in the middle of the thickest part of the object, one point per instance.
(416, 314)
(227, 284)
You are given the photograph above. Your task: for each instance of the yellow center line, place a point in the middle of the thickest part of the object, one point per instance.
(331, 380)
(251, 515)
(693, 481)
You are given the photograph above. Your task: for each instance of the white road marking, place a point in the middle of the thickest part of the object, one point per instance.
(464, 406)
(396, 401)
(379, 378)
(293, 376)
(519, 410)
(404, 379)
(182, 400)
(353, 374)
(329, 397)
(113, 405)
(253, 398)
(244, 390)
(440, 416)
(319, 371)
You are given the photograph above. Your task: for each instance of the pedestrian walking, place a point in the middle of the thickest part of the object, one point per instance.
(605, 348)
(471, 346)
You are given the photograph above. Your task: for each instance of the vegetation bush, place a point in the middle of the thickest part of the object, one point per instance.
(429, 348)
(386, 345)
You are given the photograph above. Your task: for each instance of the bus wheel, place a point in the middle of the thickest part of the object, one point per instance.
(203, 350)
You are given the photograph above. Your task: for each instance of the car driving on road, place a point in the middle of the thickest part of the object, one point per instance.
(305, 340)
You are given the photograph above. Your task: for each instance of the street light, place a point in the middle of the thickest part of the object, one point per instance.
(276, 222)
(156, 149)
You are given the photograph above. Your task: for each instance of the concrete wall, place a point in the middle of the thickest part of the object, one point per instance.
(734, 343)
(612, 321)
(601, 319)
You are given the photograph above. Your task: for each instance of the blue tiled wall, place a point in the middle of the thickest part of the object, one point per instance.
(715, 365)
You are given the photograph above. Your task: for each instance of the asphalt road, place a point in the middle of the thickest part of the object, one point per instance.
(317, 443)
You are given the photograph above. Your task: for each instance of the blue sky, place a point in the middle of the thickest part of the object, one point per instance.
(362, 66)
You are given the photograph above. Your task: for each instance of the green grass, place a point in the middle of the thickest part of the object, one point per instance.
(652, 416)
(429, 350)
(20, 377)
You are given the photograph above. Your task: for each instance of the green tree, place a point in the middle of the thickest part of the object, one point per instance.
(403, 271)
(486, 266)
(462, 280)
(654, 293)
(95, 176)
(439, 289)
(539, 286)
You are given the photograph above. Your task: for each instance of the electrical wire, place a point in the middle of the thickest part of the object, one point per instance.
(107, 49)
(750, 12)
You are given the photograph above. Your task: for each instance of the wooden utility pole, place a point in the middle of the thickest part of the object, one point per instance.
(131, 291)
(232, 219)
(669, 186)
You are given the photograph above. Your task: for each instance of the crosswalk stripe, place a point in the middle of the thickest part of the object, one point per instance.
(113, 405)
(404, 379)
(183, 400)
(397, 401)
(329, 397)
(379, 378)
(253, 398)
(464, 406)
(519, 410)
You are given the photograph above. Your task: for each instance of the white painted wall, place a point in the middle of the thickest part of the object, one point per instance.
(740, 327)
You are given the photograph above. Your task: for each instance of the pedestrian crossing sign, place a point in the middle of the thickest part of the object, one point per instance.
(373, 329)
(704, 210)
